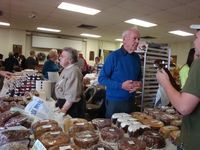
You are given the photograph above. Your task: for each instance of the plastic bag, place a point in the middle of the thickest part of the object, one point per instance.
(38, 107)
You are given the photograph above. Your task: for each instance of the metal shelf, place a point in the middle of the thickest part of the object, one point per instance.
(148, 55)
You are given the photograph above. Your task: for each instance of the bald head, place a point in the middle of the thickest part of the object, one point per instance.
(131, 39)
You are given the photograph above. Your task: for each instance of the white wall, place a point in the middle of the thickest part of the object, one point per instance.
(95, 45)
(8, 37)
(181, 50)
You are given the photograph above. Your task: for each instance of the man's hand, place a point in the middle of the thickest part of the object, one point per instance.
(6, 74)
(136, 85)
(131, 86)
(66, 106)
(162, 77)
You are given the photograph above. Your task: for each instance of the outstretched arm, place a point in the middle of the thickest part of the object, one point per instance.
(184, 102)
(6, 74)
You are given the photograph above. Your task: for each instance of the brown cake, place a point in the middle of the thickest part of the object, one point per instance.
(86, 139)
(111, 134)
(153, 139)
(153, 123)
(124, 125)
(131, 144)
(45, 128)
(124, 119)
(137, 129)
(44, 122)
(118, 115)
(165, 131)
(101, 146)
(54, 138)
(78, 127)
(100, 123)
(64, 147)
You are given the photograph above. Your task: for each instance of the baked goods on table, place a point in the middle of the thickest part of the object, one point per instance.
(153, 139)
(174, 135)
(101, 146)
(153, 123)
(13, 134)
(131, 144)
(69, 122)
(40, 127)
(64, 147)
(78, 127)
(124, 125)
(118, 115)
(43, 122)
(100, 123)
(135, 130)
(111, 134)
(53, 138)
(86, 139)
(165, 131)
(141, 116)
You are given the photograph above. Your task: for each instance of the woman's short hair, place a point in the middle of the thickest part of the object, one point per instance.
(73, 54)
(52, 53)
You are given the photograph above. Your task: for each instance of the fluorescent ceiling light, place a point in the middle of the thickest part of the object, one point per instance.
(4, 24)
(78, 8)
(119, 40)
(90, 35)
(140, 23)
(195, 26)
(180, 33)
(48, 29)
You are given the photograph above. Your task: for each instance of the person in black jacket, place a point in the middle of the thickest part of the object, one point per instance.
(10, 63)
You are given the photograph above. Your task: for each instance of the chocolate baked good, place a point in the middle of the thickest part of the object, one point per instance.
(78, 127)
(126, 124)
(117, 115)
(153, 139)
(131, 144)
(39, 131)
(165, 131)
(101, 146)
(137, 129)
(64, 147)
(100, 123)
(54, 138)
(15, 121)
(111, 134)
(5, 116)
(44, 122)
(124, 119)
(13, 134)
(86, 139)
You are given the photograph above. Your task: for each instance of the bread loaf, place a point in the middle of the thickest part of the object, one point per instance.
(111, 134)
(86, 139)
(131, 144)
(165, 131)
(53, 138)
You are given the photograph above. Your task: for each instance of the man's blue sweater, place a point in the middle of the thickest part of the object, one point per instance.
(119, 67)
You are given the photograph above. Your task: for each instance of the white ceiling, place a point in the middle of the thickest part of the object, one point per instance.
(168, 14)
